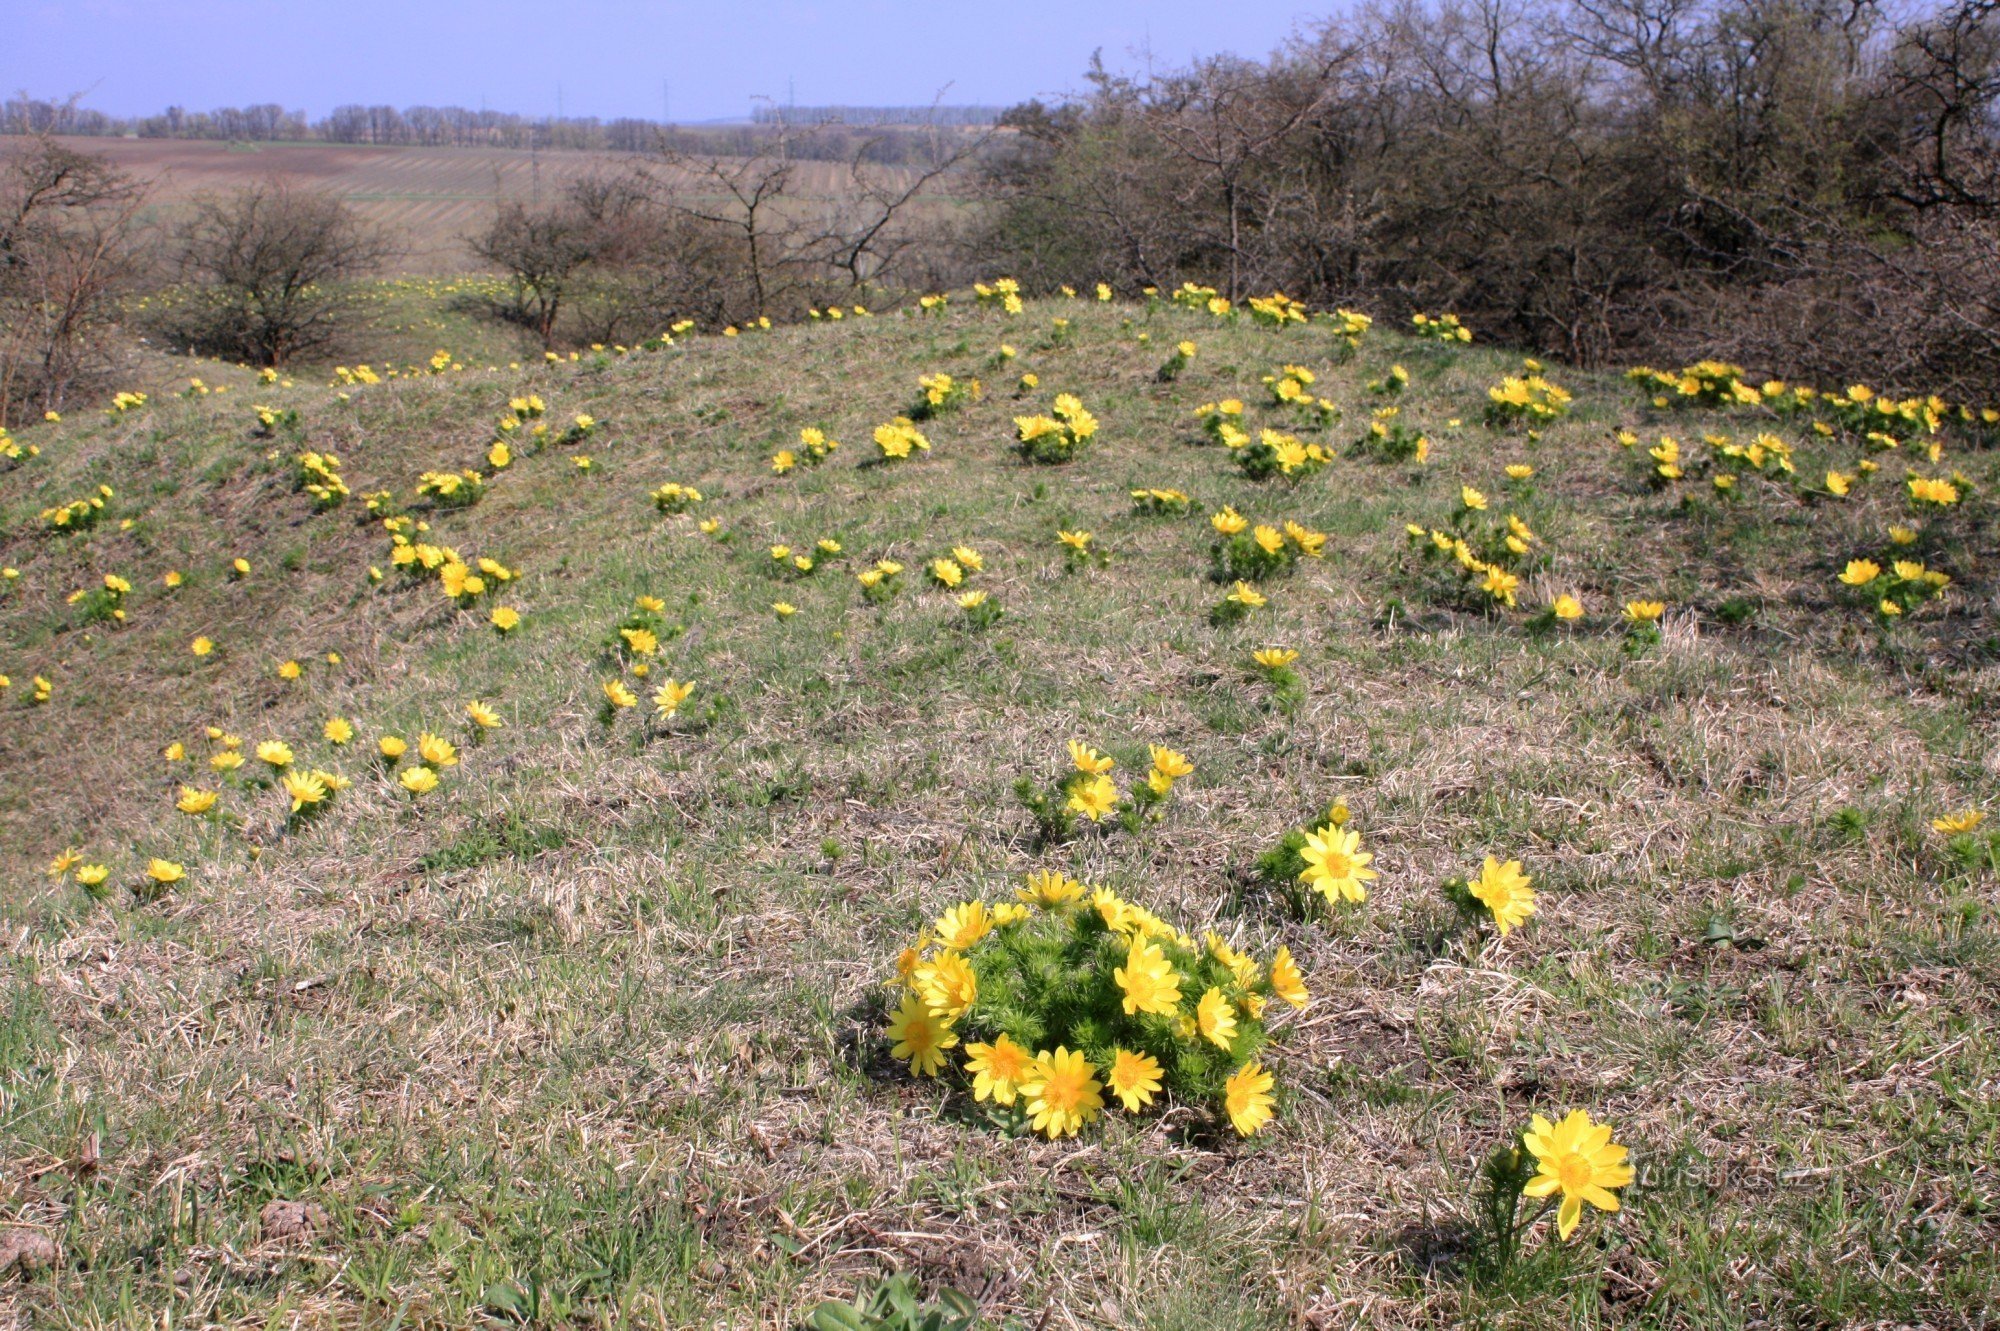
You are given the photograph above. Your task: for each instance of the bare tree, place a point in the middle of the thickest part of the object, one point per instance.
(263, 262)
(541, 250)
(751, 197)
(67, 243)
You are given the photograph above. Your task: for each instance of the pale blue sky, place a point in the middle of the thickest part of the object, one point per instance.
(609, 57)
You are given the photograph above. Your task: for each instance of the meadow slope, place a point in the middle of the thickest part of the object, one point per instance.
(592, 1032)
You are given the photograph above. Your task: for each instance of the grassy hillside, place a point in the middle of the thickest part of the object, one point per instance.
(592, 1032)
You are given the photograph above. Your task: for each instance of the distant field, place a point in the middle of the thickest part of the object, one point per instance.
(431, 199)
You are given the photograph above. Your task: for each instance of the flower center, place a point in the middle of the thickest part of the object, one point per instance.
(1574, 1171)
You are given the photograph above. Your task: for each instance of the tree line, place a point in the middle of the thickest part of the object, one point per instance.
(460, 127)
(1810, 187)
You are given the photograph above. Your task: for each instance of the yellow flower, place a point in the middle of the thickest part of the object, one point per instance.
(1578, 1159)
(64, 862)
(241, 566)
(391, 747)
(1567, 607)
(337, 730)
(1089, 760)
(963, 925)
(1472, 500)
(175, 752)
(784, 609)
(1504, 890)
(1228, 521)
(164, 872)
(226, 761)
(437, 750)
(1047, 888)
(1133, 1078)
(1063, 1093)
(919, 1036)
(1274, 658)
(1244, 594)
(505, 619)
(998, 1069)
(1953, 824)
(275, 752)
(1860, 572)
(1216, 1019)
(1247, 1098)
(1839, 482)
(1336, 866)
(91, 875)
(1168, 763)
(483, 716)
(305, 788)
(1148, 980)
(947, 572)
(948, 986)
(418, 780)
(667, 699)
(195, 802)
(201, 646)
(1644, 612)
(1075, 540)
(1093, 798)
(1286, 981)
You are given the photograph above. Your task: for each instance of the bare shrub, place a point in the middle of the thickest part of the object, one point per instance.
(262, 268)
(68, 246)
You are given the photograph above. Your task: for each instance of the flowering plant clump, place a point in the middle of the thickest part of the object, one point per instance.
(1192, 296)
(940, 393)
(319, 476)
(1350, 326)
(881, 583)
(78, 514)
(1391, 384)
(1391, 439)
(814, 448)
(1291, 386)
(1319, 866)
(899, 438)
(1088, 791)
(1273, 453)
(673, 497)
(1442, 328)
(1059, 436)
(1161, 503)
(1562, 1165)
(270, 420)
(1277, 310)
(451, 489)
(1236, 605)
(1241, 551)
(1170, 369)
(1484, 551)
(1894, 588)
(1274, 666)
(1500, 896)
(1068, 1000)
(1708, 383)
(934, 304)
(1937, 492)
(1223, 421)
(104, 603)
(1080, 550)
(1526, 398)
(1005, 293)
